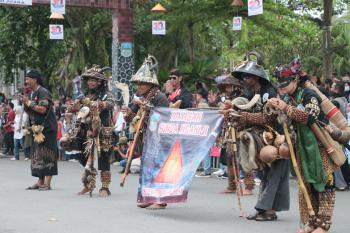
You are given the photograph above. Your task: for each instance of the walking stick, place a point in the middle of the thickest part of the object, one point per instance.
(236, 169)
(131, 149)
(297, 172)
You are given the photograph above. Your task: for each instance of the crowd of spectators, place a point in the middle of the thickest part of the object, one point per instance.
(15, 133)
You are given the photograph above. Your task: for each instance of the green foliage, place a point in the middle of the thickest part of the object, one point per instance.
(341, 44)
(199, 38)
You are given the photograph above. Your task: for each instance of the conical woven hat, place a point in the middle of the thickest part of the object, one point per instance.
(147, 72)
(94, 72)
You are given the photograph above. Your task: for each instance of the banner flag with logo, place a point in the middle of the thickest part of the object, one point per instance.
(175, 143)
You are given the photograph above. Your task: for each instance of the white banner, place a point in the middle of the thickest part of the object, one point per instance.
(158, 27)
(58, 6)
(255, 7)
(56, 31)
(17, 2)
(237, 23)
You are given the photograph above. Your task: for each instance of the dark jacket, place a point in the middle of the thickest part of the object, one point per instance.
(185, 97)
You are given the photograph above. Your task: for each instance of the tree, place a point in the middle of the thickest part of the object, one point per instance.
(341, 44)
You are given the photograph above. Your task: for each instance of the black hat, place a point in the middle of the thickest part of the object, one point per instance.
(175, 72)
(229, 80)
(251, 67)
(34, 74)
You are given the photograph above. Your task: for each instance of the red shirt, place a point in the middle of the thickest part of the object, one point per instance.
(59, 130)
(10, 118)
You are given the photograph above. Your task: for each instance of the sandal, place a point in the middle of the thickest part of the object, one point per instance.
(266, 217)
(156, 206)
(143, 205)
(44, 187)
(33, 187)
(253, 216)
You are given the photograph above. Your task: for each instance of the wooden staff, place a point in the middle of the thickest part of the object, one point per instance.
(131, 149)
(235, 165)
(297, 172)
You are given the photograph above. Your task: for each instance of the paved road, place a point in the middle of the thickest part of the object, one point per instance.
(61, 211)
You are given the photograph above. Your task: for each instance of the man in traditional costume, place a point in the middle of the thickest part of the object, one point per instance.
(229, 89)
(92, 132)
(44, 152)
(147, 95)
(302, 106)
(274, 189)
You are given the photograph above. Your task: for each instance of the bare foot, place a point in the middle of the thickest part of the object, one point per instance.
(247, 192)
(83, 191)
(319, 230)
(307, 229)
(104, 193)
(229, 191)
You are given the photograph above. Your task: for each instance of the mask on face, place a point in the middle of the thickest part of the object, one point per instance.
(346, 87)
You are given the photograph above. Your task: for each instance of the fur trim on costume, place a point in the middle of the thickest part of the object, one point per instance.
(247, 151)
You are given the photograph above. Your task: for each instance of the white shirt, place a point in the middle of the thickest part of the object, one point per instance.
(18, 134)
(119, 123)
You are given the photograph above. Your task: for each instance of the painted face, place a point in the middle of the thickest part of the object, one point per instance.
(289, 89)
(142, 88)
(92, 83)
(250, 80)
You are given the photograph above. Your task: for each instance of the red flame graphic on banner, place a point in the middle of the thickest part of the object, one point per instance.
(171, 172)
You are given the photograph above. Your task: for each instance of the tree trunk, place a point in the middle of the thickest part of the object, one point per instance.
(190, 29)
(327, 39)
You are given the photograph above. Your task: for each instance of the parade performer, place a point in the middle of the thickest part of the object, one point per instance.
(92, 133)
(229, 89)
(147, 95)
(274, 189)
(303, 106)
(44, 152)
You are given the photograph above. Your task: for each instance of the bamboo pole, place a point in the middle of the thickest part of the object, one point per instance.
(131, 150)
(297, 172)
(235, 166)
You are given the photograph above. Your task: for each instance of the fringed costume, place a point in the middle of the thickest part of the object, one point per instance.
(44, 154)
(92, 132)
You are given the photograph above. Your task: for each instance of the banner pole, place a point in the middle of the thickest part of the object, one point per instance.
(239, 192)
(131, 150)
